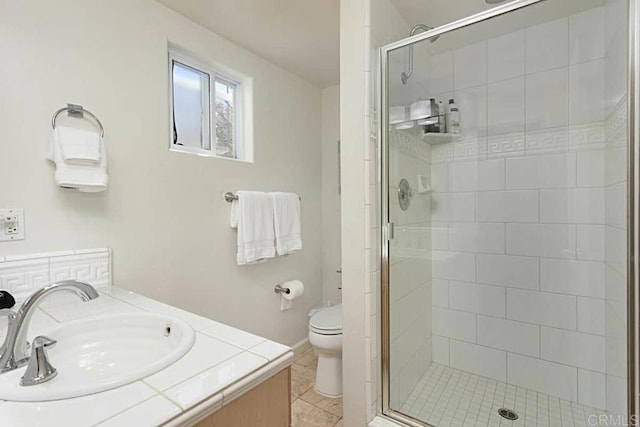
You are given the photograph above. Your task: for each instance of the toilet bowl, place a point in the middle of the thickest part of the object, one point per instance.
(325, 335)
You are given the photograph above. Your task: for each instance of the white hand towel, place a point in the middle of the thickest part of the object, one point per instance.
(79, 146)
(252, 215)
(84, 178)
(286, 214)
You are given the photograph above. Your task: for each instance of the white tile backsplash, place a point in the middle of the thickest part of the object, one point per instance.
(23, 274)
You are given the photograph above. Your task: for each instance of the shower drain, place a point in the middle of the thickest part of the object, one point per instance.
(508, 414)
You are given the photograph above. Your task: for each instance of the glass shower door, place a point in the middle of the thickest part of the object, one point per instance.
(506, 196)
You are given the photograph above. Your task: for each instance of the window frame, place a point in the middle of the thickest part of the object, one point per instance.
(242, 130)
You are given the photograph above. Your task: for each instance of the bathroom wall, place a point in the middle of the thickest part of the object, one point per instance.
(365, 25)
(518, 211)
(331, 250)
(615, 218)
(163, 215)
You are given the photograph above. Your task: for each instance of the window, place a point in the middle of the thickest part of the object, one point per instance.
(206, 109)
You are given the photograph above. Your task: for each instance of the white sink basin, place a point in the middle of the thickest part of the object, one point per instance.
(101, 353)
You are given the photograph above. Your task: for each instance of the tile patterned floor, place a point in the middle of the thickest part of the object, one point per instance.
(308, 408)
(451, 397)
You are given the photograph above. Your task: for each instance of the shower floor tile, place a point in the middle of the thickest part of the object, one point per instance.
(446, 397)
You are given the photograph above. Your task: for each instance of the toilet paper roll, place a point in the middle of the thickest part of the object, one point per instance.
(296, 289)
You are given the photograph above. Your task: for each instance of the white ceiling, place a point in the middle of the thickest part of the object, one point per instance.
(302, 36)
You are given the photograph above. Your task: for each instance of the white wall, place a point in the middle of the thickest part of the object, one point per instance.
(163, 214)
(331, 248)
(364, 26)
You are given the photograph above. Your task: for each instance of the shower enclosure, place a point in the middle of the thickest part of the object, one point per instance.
(506, 280)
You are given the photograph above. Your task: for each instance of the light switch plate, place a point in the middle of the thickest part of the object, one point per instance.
(11, 225)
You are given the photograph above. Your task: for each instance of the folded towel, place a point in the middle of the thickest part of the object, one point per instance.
(252, 215)
(286, 214)
(83, 177)
(78, 146)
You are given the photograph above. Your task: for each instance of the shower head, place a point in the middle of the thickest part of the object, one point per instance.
(405, 75)
(423, 27)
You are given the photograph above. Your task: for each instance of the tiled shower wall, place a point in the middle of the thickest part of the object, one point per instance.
(615, 174)
(410, 272)
(518, 214)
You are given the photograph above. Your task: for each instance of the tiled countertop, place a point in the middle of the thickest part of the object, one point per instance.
(223, 364)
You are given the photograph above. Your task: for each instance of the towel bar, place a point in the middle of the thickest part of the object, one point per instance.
(230, 197)
(76, 111)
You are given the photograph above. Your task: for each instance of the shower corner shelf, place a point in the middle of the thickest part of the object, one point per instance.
(441, 138)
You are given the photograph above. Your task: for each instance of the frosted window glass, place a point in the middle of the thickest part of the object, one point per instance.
(190, 107)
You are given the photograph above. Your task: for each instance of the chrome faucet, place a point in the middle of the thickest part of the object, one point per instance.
(14, 349)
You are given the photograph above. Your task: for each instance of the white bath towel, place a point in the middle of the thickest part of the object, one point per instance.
(252, 215)
(79, 146)
(85, 178)
(286, 214)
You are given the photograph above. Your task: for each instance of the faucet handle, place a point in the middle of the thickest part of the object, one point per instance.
(39, 369)
(43, 342)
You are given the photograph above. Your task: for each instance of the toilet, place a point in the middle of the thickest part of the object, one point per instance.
(325, 335)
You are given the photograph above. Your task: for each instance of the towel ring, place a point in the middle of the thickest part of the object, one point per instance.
(77, 111)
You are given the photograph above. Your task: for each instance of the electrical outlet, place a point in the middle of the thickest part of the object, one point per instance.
(11, 224)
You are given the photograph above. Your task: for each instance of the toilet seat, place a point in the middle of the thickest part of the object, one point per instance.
(327, 321)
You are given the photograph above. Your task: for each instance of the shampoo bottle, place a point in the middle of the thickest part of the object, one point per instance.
(441, 117)
(453, 118)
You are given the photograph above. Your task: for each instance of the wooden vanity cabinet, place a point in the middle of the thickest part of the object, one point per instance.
(266, 405)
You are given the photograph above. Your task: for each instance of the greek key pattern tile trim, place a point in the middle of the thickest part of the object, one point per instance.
(22, 275)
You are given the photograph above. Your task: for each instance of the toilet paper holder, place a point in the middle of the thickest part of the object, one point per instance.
(280, 290)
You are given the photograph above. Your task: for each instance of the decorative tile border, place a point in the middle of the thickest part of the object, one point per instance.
(548, 140)
(22, 275)
(407, 142)
(616, 122)
(508, 145)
